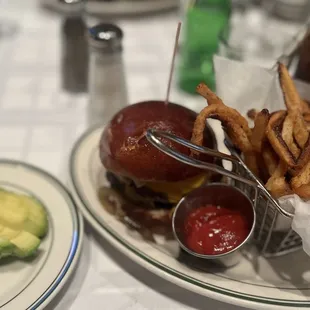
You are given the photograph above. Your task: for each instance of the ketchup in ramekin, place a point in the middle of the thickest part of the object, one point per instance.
(214, 222)
(212, 229)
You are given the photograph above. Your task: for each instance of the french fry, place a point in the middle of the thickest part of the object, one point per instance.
(277, 149)
(274, 135)
(292, 99)
(239, 139)
(228, 118)
(305, 106)
(280, 170)
(306, 117)
(277, 184)
(278, 187)
(288, 134)
(251, 160)
(270, 158)
(263, 171)
(203, 90)
(259, 131)
(252, 114)
(213, 99)
(301, 133)
(237, 126)
(303, 178)
(304, 157)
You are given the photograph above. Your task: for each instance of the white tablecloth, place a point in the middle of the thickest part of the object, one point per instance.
(39, 123)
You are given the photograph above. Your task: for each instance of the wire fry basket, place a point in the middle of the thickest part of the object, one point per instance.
(269, 240)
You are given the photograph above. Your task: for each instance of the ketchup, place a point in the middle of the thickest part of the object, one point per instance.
(212, 230)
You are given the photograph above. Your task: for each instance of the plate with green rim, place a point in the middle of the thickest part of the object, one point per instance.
(256, 283)
(31, 283)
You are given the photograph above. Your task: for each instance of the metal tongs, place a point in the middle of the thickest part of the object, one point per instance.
(153, 136)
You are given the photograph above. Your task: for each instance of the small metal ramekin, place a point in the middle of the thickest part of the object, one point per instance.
(215, 194)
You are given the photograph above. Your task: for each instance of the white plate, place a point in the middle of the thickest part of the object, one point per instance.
(260, 284)
(121, 7)
(32, 283)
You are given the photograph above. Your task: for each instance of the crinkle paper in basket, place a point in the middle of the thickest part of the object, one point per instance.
(244, 87)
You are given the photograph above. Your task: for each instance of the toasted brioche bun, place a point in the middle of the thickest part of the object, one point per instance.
(125, 151)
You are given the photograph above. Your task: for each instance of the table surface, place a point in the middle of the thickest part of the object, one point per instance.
(39, 123)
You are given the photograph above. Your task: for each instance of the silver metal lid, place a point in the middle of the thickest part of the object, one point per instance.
(107, 37)
(72, 7)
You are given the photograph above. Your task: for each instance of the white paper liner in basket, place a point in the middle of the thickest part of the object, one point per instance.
(244, 87)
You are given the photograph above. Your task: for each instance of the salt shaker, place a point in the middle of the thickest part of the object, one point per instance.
(106, 76)
(74, 60)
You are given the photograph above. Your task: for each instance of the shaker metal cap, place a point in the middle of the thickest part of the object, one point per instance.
(105, 35)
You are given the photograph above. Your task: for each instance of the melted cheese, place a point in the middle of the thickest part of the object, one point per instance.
(176, 190)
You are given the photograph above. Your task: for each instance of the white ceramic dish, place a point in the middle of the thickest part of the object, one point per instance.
(258, 284)
(121, 7)
(32, 283)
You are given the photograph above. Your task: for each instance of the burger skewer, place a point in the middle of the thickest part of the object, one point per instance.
(173, 61)
(150, 182)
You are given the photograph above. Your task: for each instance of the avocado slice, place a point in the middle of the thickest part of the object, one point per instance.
(21, 212)
(26, 244)
(17, 243)
(7, 233)
(6, 248)
(12, 213)
(23, 221)
(37, 222)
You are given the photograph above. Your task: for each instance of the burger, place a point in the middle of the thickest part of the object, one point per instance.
(150, 182)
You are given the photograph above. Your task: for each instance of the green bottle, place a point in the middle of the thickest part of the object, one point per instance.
(205, 19)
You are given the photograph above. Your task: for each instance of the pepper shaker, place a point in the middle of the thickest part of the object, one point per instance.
(74, 60)
(106, 76)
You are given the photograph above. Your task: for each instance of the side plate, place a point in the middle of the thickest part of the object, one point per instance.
(32, 283)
